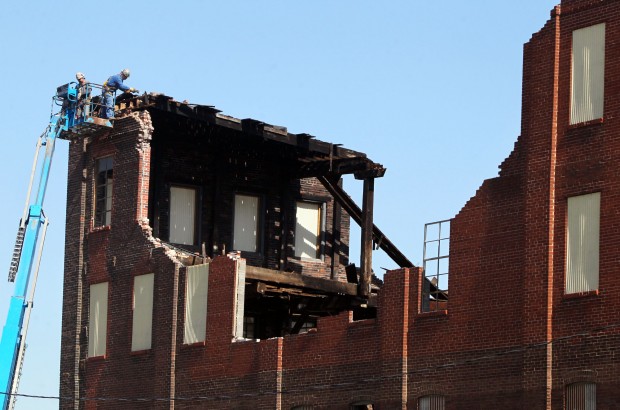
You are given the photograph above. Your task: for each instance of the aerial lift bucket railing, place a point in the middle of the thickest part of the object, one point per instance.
(88, 105)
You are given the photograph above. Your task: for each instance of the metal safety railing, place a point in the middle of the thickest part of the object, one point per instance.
(89, 102)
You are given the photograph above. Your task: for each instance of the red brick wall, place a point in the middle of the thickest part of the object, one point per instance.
(500, 344)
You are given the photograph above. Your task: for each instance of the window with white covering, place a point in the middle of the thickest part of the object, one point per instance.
(580, 396)
(432, 402)
(582, 243)
(98, 319)
(308, 229)
(182, 215)
(588, 74)
(142, 328)
(245, 234)
(196, 290)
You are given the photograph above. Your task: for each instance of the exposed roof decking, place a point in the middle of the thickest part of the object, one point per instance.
(313, 157)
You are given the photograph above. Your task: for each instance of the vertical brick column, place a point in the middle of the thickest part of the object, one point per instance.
(75, 228)
(393, 319)
(539, 130)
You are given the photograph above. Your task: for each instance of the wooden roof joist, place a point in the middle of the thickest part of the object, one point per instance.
(315, 157)
(300, 281)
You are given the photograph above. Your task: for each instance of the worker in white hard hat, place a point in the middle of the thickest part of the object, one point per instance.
(80, 77)
(112, 84)
(83, 96)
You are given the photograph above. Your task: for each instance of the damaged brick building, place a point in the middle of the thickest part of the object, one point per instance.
(206, 259)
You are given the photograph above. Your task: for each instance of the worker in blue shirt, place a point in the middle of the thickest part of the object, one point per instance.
(112, 84)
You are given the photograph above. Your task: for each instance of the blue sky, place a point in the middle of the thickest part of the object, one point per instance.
(431, 90)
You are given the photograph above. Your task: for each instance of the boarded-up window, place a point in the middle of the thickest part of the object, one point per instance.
(103, 191)
(308, 229)
(580, 396)
(182, 215)
(246, 223)
(196, 289)
(588, 73)
(582, 250)
(432, 402)
(98, 319)
(142, 312)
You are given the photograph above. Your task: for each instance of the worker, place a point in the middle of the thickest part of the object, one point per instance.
(112, 84)
(83, 96)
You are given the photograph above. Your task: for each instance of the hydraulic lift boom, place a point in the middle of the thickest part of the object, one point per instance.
(72, 110)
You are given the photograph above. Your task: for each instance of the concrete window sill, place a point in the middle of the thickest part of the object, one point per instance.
(580, 295)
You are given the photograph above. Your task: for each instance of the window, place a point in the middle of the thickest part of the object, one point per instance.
(196, 289)
(580, 396)
(245, 237)
(588, 69)
(98, 319)
(249, 327)
(142, 312)
(103, 191)
(182, 215)
(432, 402)
(308, 229)
(436, 264)
(361, 406)
(582, 243)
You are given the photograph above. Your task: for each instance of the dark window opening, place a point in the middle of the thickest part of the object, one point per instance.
(103, 191)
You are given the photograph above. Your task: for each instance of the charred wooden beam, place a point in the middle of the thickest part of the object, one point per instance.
(372, 171)
(332, 165)
(284, 224)
(356, 213)
(300, 322)
(336, 222)
(366, 237)
(295, 279)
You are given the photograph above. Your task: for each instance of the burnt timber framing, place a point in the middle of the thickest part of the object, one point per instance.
(309, 157)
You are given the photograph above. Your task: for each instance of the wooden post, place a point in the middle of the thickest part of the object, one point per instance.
(336, 227)
(285, 200)
(366, 225)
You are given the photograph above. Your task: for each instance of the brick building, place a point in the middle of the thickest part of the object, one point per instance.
(152, 310)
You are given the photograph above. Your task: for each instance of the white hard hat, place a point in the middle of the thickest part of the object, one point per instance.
(125, 72)
(79, 76)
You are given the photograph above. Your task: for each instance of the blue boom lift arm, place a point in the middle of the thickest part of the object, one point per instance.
(72, 110)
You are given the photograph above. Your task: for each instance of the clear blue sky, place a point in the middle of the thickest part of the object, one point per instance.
(431, 90)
